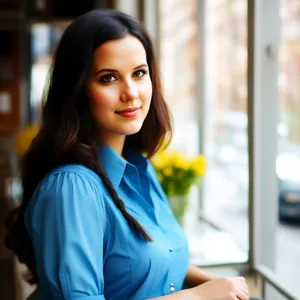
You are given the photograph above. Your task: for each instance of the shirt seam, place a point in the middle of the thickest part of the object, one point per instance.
(91, 180)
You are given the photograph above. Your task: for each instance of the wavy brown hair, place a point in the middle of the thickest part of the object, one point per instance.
(68, 132)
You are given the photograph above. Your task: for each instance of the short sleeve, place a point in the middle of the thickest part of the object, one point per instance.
(66, 221)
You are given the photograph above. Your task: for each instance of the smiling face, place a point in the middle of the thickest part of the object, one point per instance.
(119, 88)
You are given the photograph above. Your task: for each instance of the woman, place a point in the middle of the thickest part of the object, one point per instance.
(94, 222)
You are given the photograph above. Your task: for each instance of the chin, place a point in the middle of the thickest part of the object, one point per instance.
(130, 130)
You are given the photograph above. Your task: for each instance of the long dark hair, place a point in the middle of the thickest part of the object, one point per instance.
(68, 133)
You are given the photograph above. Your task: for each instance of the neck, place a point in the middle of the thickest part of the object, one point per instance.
(116, 142)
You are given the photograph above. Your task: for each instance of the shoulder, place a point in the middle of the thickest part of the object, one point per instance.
(68, 198)
(68, 183)
(75, 170)
(73, 174)
(70, 190)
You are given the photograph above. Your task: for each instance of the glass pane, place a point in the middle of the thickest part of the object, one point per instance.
(226, 120)
(178, 66)
(225, 197)
(178, 51)
(288, 159)
(44, 40)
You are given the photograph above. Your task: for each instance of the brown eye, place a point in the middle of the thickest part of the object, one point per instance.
(107, 78)
(140, 73)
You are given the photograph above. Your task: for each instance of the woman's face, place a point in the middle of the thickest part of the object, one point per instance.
(119, 88)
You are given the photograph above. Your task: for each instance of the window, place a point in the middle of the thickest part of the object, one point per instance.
(225, 198)
(225, 189)
(288, 159)
(44, 40)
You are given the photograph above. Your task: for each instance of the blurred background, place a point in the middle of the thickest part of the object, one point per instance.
(231, 76)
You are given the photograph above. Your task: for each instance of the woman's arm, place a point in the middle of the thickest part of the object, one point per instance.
(196, 276)
(68, 224)
(181, 295)
(217, 289)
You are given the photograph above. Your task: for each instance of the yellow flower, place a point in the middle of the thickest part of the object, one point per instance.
(168, 171)
(179, 161)
(176, 172)
(199, 165)
(160, 160)
(25, 137)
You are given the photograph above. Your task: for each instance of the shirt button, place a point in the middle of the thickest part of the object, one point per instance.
(172, 289)
(170, 249)
(171, 284)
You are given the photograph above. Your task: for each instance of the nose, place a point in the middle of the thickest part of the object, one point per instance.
(129, 92)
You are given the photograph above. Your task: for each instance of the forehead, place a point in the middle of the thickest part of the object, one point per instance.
(121, 53)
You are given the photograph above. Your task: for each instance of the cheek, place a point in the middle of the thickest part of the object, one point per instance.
(101, 98)
(147, 92)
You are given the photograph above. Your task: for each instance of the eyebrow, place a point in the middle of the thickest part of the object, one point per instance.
(116, 71)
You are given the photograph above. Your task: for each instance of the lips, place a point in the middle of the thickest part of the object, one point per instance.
(129, 112)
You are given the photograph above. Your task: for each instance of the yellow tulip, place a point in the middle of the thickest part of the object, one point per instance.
(199, 165)
(168, 171)
(25, 137)
(166, 161)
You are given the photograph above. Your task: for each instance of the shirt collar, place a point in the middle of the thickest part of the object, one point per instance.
(114, 165)
(136, 159)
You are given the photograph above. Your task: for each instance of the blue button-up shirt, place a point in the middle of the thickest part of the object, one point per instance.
(84, 247)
